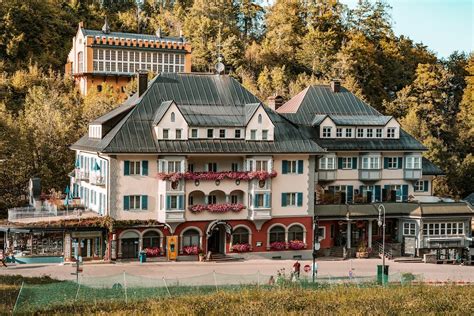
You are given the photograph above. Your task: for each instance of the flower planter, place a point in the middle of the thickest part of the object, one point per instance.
(201, 257)
(217, 176)
(217, 208)
(241, 248)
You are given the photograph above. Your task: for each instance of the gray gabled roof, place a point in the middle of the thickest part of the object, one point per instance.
(358, 120)
(88, 32)
(196, 95)
(165, 105)
(430, 169)
(470, 199)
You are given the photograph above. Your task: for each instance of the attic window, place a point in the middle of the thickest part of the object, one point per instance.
(173, 117)
(391, 132)
(260, 119)
(95, 131)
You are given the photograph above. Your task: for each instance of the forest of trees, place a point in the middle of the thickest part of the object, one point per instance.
(279, 48)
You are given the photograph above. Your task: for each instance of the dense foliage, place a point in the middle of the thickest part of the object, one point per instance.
(277, 49)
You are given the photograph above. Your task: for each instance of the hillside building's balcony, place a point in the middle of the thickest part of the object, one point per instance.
(326, 175)
(48, 213)
(81, 175)
(370, 174)
(412, 174)
(96, 179)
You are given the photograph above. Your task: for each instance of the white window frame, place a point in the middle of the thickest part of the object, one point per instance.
(253, 134)
(370, 133)
(292, 166)
(291, 199)
(360, 133)
(180, 132)
(409, 229)
(392, 163)
(166, 132)
(417, 187)
(391, 132)
(238, 133)
(371, 163)
(192, 133)
(265, 134)
(379, 133)
(135, 168)
(339, 131)
(135, 202)
(173, 200)
(413, 162)
(174, 166)
(327, 131)
(346, 163)
(348, 132)
(327, 163)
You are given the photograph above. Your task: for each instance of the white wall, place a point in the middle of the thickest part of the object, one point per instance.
(165, 123)
(265, 125)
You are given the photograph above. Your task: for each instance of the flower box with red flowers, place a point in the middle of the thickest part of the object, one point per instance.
(152, 252)
(191, 250)
(278, 245)
(213, 176)
(241, 247)
(217, 208)
(296, 245)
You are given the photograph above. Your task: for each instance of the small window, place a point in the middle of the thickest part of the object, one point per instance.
(260, 119)
(235, 167)
(277, 233)
(99, 88)
(292, 166)
(240, 236)
(173, 202)
(338, 132)
(211, 199)
(360, 132)
(265, 134)
(378, 133)
(370, 133)
(135, 168)
(194, 133)
(347, 163)
(392, 162)
(413, 162)
(178, 134)
(173, 117)
(166, 133)
(212, 166)
(210, 133)
(419, 186)
(237, 133)
(348, 132)
(327, 131)
(327, 163)
(253, 134)
(222, 133)
(234, 199)
(190, 167)
(295, 232)
(391, 132)
(135, 202)
(290, 199)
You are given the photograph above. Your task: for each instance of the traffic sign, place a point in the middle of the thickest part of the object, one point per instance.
(307, 268)
(317, 246)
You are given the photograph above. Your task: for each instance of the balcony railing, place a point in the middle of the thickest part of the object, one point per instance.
(175, 216)
(337, 198)
(370, 174)
(213, 176)
(81, 175)
(96, 179)
(256, 214)
(326, 175)
(30, 212)
(412, 174)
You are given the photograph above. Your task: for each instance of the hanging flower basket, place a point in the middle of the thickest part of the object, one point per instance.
(278, 245)
(296, 244)
(241, 247)
(217, 208)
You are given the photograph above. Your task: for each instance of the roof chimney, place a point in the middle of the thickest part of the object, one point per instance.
(142, 79)
(81, 25)
(336, 85)
(158, 32)
(275, 101)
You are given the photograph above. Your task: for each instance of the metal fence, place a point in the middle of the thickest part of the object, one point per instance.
(127, 287)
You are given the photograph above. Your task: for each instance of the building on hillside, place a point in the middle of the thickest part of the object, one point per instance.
(198, 158)
(103, 56)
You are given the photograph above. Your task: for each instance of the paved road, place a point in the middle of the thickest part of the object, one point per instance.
(360, 267)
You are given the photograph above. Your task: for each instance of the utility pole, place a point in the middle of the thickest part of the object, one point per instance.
(316, 245)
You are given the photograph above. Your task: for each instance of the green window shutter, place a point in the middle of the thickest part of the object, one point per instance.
(284, 167)
(339, 163)
(144, 202)
(300, 166)
(354, 162)
(299, 198)
(400, 162)
(126, 168)
(405, 192)
(168, 202)
(255, 204)
(425, 186)
(126, 202)
(283, 199)
(181, 202)
(377, 193)
(385, 162)
(144, 167)
(350, 194)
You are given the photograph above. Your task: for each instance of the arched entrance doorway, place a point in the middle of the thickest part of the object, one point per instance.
(217, 235)
(129, 244)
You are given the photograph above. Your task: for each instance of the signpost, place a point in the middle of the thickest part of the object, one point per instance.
(79, 268)
(316, 244)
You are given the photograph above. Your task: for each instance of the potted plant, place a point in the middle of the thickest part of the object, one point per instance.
(201, 255)
(362, 251)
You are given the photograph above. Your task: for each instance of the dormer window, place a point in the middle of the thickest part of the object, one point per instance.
(178, 133)
(338, 132)
(327, 131)
(260, 119)
(222, 133)
(210, 133)
(194, 133)
(173, 117)
(166, 133)
(413, 162)
(253, 134)
(265, 134)
(378, 133)
(391, 132)
(370, 133)
(360, 133)
(238, 133)
(348, 132)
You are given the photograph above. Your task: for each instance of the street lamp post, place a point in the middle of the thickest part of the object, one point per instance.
(316, 245)
(381, 223)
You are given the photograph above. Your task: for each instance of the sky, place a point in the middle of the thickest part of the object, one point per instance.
(442, 25)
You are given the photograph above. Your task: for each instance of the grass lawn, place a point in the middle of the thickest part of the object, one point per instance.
(288, 299)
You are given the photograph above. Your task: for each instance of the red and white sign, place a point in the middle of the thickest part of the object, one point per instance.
(307, 268)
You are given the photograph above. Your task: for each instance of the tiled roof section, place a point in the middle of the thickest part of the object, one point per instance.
(405, 142)
(165, 105)
(430, 169)
(203, 92)
(148, 37)
(368, 120)
(213, 115)
(318, 119)
(449, 208)
(321, 100)
(470, 199)
(126, 106)
(250, 110)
